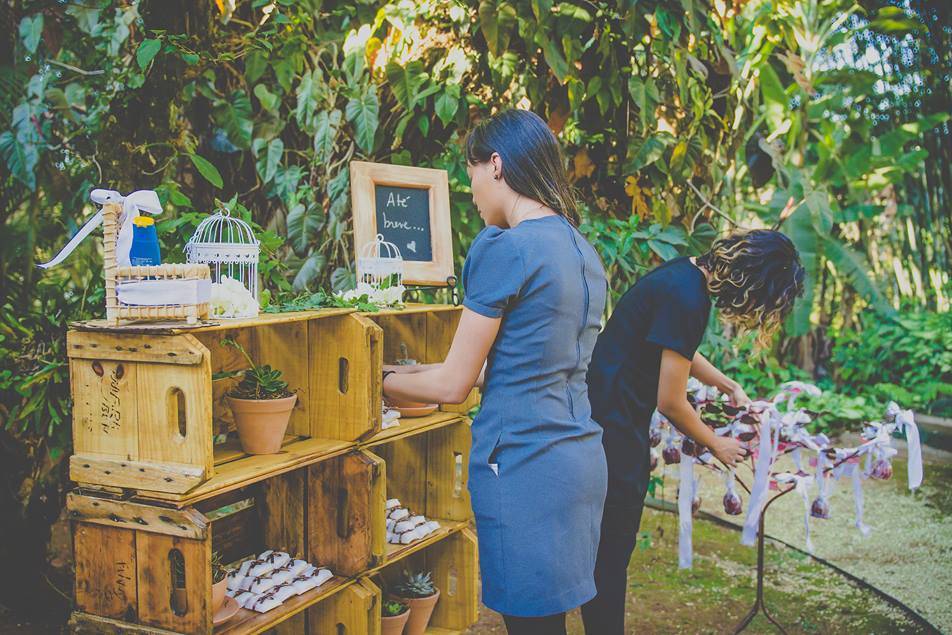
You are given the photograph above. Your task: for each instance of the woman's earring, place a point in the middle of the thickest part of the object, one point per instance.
(496, 176)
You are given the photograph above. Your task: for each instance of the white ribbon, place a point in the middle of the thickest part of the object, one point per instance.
(685, 517)
(132, 205)
(761, 480)
(802, 485)
(906, 420)
(856, 474)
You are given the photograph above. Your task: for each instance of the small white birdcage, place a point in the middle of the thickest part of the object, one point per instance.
(380, 264)
(229, 247)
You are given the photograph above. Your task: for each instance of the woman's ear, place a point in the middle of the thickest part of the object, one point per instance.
(496, 161)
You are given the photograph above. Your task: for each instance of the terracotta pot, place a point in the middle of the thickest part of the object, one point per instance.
(262, 423)
(399, 403)
(420, 611)
(394, 625)
(218, 594)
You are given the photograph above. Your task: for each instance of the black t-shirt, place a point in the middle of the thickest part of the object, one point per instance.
(667, 308)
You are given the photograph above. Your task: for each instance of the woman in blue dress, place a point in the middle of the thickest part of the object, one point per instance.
(534, 295)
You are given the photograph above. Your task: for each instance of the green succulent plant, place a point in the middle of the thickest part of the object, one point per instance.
(415, 585)
(392, 608)
(257, 382)
(219, 572)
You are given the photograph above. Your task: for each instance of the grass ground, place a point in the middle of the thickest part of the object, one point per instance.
(908, 555)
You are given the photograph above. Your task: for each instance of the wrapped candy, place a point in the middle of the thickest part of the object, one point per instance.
(671, 455)
(688, 446)
(695, 504)
(265, 603)
(246, 598)
(654, 438)
(262, 584)
(882, 470)
(732, 503)
(653, 459)
(820, 508)
(283, 591)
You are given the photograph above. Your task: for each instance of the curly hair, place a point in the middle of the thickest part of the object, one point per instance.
(755, 277)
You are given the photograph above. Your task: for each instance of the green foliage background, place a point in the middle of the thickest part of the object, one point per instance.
(680, 119)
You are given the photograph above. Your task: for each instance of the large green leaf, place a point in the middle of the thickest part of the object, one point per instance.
(235, 116)
(363, 112)
(775, 99)
(405, 82)
(651, 150)
(31, 30)
(309, 271)
(553, 56)
(800, 228)
(853, 266)
(147, 52)
(326, 126)
(270, 160)
(206, 169)
(447, 104)
(304, 224)
(21, 158)
(496, 21)
(269, 101)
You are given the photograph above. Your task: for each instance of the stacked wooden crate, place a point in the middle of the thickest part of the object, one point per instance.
(157, 497)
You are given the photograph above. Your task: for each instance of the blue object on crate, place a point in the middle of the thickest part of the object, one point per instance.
(145, 243)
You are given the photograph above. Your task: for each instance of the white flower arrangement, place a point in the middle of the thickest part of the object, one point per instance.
(389, 296)
(230, 299)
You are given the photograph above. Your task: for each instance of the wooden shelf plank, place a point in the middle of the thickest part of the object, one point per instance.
(247, 622)
(231, 449)
(436, 630)
(173, 327)
(413, 307)
(413, 425)
(253, 468)
(395, 553)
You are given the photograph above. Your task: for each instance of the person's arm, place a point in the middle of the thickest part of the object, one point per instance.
(451, 381)
(419, 368)
(708, 374)
(673, 404)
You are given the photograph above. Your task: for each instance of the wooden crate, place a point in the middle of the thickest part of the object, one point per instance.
(146, 409)
(429, 473)
(453, 564)
(124, 549)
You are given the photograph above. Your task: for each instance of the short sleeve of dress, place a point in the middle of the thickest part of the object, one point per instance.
(494, 272)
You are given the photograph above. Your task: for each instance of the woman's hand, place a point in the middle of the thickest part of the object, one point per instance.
(738, 397)
(728, 450)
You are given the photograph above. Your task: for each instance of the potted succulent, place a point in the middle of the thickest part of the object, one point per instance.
(219, 582)
(394, 617)
(262, 405)
(417, 591)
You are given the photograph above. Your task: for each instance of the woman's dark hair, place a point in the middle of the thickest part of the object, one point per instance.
(755, 277)
(532, 161)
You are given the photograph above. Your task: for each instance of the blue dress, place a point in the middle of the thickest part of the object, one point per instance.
(537, 473)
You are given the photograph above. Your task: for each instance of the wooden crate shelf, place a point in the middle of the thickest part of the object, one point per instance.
(152, 482)
(146, 410)
(123, 547)
(453, 564)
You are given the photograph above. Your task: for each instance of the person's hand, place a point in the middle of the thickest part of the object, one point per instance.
(728, 450)
(738, 397)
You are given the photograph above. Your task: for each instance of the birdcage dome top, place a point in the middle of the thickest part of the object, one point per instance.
(223, 238)
(380, 248)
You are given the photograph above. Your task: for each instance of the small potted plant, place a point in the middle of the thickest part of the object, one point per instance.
(262, 405)
(219, 582)
(417, 591)
(394, 618)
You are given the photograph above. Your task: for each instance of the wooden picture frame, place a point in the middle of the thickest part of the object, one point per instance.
(424, 265)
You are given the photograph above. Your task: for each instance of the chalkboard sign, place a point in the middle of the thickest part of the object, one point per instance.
(403, 218)
(409, 207)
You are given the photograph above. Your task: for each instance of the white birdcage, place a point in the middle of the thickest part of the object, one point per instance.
(380, 264)
(229, 248)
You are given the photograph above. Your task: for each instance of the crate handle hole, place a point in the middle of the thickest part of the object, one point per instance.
(343, 513)
(457, 474)
(341, 629)
(179, 600)
(176, 407)
(343, 375)
(452, 581)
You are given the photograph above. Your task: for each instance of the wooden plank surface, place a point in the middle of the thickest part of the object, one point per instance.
(105, 560)
(414, 307)
(345, 369)
(411, 426)
(251, 469)
(406, 471)
(396, 553)
(225, 359)
(284, 346)
(162, 479)
(356, 609)
(85, 624)
(404, 334)
(453, 563)
(185, 523)
(175, 327)
(283, 511)
(161, 349)
(104, 408)
(155, 585)
(248, 622)
(447, 472)
(171, 399)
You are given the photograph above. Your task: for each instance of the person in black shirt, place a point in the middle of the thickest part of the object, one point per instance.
(642, 361)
